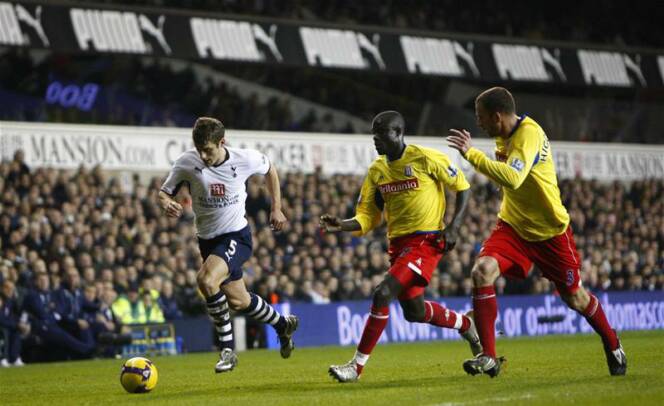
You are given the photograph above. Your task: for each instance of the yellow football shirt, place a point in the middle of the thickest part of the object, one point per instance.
(409, 190)
(531, 198)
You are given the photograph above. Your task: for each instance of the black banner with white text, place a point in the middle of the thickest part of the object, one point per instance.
(193, 35)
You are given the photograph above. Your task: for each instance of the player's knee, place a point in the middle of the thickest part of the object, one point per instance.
(577, 301)
(485, 271)
(414, 315)
(382, 295)
(208, 281)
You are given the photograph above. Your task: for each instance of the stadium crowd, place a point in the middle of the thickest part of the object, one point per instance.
(82, 254)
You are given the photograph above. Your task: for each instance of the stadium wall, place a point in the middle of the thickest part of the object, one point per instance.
(153, 149)
(524, 315)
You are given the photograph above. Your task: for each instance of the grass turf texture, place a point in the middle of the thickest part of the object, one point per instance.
(541, 370)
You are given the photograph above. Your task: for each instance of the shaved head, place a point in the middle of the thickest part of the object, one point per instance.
(388, 120)
(388, 128)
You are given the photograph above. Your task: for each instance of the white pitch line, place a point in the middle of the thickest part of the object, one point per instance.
(492, 400)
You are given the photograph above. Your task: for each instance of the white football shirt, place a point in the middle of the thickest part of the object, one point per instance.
(218, 193)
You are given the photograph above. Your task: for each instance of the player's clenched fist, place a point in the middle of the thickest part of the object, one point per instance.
(277, 220)
(330, 224)
(173, 208)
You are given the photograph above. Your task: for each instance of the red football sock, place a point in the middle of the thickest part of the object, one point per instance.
(439, 316)
(376, 323)
(485, 308)
(594, 314)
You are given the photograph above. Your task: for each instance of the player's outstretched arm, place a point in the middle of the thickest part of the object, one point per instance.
(169, 205)
(333, 224)
(451, 232)
(277, 217)
(510, 176)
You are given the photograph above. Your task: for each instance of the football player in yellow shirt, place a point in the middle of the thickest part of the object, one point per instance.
(407, 184)
(533, 226)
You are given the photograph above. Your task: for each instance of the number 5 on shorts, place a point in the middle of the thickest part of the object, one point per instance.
(230, 251)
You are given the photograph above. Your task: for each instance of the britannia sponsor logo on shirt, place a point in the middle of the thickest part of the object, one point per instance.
(399, 186)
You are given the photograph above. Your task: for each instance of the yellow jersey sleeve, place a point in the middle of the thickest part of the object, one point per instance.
(367, 212)
(500, 151)
(512, 173)
(531, 201)
(444, 171)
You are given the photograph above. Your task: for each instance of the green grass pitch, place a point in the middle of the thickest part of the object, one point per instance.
(542, 370)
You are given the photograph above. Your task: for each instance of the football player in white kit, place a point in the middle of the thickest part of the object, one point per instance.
(216, 176)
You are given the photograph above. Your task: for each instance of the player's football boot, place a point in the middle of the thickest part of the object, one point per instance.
(471, 336)
(345, 373)
(286, 337)
(483, 364)
(227, 361)
(616, 360)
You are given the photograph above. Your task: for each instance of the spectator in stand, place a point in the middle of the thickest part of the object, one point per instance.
(129, 308)
(168, 302)
(187, 296)
(45, 322)
(71, 304)
(153, 313)
(11, 326)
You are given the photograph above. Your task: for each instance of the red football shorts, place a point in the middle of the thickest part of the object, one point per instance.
(556, 257)
(413, 260)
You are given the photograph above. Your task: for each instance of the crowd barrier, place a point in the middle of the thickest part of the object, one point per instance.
(151, 339)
